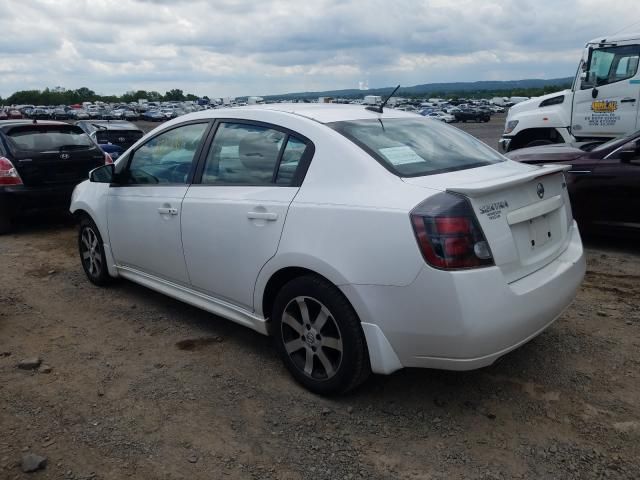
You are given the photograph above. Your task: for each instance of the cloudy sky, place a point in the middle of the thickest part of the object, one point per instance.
(258, 47)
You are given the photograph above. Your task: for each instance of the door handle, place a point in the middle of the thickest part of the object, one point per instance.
(627, 100)
(167, 211)
(269, 216)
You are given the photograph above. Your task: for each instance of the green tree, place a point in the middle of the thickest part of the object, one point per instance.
(174, 95)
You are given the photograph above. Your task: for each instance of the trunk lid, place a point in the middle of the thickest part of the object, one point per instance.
(52, 154)
(523, 210)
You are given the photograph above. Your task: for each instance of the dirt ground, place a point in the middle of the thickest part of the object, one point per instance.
(143, 386)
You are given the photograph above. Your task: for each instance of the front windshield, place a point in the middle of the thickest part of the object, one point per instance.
(618, 140)
(411, 147)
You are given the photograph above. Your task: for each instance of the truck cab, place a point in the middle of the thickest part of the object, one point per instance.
(603, 102)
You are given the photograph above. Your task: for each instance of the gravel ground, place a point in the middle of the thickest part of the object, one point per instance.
(132, 384)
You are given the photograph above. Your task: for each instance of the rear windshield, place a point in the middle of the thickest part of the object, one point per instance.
(411, 147)
(43, 138)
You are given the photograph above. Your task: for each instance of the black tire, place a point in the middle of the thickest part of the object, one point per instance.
(339, 328)
(95, 264)
(538, 143)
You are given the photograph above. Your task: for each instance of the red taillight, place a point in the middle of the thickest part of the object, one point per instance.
(107, 159)
(8, 173)
(448, 233)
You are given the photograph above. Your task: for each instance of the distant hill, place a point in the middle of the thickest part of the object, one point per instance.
(430, 88)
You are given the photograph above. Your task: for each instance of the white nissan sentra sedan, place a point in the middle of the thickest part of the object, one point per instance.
(360, 241)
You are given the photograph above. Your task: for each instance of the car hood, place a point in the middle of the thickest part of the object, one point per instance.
(547, 153)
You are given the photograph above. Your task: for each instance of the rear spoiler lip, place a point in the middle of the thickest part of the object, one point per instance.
(476, 189)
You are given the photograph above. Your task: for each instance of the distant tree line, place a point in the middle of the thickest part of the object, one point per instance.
(513, 92)
(84, 94)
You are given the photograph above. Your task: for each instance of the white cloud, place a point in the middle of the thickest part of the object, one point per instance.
(240, 47)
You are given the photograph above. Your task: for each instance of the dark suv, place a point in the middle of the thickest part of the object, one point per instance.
(40, 164)
(472, 115)
(121, 133)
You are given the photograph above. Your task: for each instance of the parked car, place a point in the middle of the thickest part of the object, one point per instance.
(153, 116)
(361, 241)
(78, 114)
(472, 115)
(121, 133)
(443, 117)
(40, 163)
(60, 114)
(4, 115)
(603, 180)
(130, 115)
(39, 114)
(14, 114)
(113, 150)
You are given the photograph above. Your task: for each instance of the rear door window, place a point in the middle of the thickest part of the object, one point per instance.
(249, 154)
(47, 138)
(243, 154)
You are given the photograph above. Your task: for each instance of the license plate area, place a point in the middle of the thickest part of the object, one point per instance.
(539, 232)
(539, 237)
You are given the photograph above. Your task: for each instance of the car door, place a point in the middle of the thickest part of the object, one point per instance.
(144, 208)
(618, 195)
(233, 218)
(606, 102)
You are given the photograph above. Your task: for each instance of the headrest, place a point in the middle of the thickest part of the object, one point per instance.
(258, 152)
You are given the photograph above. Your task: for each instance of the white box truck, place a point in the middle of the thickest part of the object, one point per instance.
(372, 100)
(602, 103)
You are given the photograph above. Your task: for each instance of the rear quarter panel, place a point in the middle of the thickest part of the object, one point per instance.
(350, 220)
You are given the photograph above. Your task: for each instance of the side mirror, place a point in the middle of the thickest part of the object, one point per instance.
(103, 174)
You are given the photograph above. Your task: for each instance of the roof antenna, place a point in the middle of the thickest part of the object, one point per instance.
(377, 109)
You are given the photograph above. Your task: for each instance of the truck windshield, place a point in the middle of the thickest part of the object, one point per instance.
(412, 147)
(611, 64)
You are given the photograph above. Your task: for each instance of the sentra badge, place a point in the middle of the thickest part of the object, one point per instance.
(494, 210)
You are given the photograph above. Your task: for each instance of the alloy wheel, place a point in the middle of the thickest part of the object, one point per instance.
(312, 338)
(90, 252)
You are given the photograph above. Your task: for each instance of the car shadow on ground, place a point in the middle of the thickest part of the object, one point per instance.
(624, 243)
(408, 388)
(42, 222)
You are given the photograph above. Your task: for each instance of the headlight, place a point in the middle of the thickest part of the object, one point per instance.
(510, 126)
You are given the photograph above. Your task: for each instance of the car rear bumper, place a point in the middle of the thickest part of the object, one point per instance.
(467, 319)
(18, 199)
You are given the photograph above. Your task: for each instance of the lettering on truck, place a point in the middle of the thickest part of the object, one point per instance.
(603, 113)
